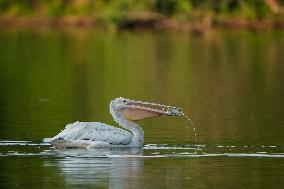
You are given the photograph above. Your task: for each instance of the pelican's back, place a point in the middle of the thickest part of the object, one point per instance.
(84, 133)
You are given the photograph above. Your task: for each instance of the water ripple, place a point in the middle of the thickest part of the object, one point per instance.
(16, 148)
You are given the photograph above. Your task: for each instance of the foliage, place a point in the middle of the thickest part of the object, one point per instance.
(113, 11)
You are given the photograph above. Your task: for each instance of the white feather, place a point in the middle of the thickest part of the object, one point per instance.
(89, 132)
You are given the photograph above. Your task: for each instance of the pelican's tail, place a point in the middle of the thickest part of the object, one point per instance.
(47, 140)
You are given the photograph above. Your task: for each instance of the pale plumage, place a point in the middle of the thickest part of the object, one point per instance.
(96, 134)
(90, 132)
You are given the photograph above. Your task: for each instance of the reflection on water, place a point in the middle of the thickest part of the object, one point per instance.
(87, 167)
(229, 83)
(154, 165)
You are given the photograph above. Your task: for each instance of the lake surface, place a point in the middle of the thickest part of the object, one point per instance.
(231, 84)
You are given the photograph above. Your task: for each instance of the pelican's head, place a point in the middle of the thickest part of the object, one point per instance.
(134, 110)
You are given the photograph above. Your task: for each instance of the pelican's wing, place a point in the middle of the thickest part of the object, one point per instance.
(94, 131)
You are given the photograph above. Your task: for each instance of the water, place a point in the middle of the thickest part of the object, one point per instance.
(230, 84)
(191, 123)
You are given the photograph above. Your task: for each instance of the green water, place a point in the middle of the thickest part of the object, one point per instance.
(231, 84)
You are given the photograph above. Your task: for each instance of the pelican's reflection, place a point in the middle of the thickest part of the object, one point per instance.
(112, 168)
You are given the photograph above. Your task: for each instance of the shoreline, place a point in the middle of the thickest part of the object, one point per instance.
(152, 22)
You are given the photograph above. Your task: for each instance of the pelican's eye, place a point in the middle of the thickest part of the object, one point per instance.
(124, 101)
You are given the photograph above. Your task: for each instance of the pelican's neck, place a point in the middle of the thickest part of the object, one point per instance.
(137, 131)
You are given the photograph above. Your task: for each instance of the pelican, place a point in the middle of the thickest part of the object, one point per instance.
(125, 112)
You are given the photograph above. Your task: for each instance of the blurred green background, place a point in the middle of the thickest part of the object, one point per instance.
(230, 83)
(201, 55)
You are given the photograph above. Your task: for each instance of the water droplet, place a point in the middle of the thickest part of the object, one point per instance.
(193, 128)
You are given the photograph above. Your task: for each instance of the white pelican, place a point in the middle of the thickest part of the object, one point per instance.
(125, 112)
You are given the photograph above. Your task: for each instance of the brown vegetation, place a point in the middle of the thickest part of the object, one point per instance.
(185, 15)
